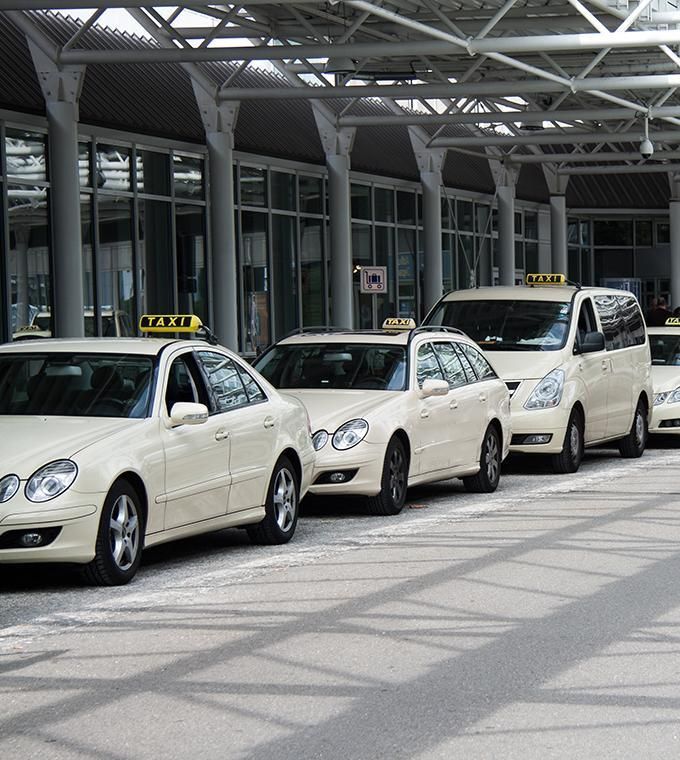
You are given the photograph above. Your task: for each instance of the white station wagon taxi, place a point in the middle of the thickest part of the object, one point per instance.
(109, 445)
(394, 408)
(576, 361)
(664, 343)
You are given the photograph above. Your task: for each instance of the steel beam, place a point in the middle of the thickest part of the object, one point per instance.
(568, 137)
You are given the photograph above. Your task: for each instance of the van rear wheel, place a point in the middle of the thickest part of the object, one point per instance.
(571, 456)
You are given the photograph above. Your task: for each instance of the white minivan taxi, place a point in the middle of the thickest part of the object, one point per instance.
(576, 361)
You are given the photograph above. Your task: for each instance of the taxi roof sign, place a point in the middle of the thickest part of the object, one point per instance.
(169, 323)
(399, 323)
(546, 279)
(672, 322)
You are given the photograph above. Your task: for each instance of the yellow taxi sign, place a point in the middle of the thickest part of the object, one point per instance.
(169, 323)
(672, 322)
(399, 323)
(546, 279)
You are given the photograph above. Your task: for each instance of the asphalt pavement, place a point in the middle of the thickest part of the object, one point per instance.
(542, 621)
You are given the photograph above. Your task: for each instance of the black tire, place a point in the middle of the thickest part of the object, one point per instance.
(393, 482)
(486, 480)
(281, 508)
(633, 445)
(120, 538)
(571, 456)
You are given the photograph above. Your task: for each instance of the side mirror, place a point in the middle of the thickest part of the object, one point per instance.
(593, 341)
(432, 387)
(188, 413)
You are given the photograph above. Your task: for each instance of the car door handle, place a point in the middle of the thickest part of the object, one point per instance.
(269, 422)
(453, 405)
(221, 435)
(482, 398)
(605, 365)
(424, 414)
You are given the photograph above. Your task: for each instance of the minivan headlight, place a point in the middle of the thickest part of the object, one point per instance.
(51, 480)
(350, 434)
(9, 485)
(548, 393)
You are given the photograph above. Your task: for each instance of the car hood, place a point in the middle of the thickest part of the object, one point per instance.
(328, 409)
(29, 442)
(665, 378)
(524, 365)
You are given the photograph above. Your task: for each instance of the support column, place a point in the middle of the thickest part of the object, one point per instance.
(485, 277)
(674, 215)
(219, 120)
(558, 234)
(544, 252)
(430, 163)
(337, 144)
(506, 234)
(61, 88)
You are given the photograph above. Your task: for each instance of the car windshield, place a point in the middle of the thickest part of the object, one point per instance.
(511, 325)
(75, 385)
(336, 365)
(665, 350)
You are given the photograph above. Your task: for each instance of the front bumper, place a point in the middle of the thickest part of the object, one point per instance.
(665, 419)
(74, 542)
(538, 422)
(364, 463)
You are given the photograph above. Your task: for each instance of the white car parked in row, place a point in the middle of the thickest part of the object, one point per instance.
(109, 445)
(394, 408)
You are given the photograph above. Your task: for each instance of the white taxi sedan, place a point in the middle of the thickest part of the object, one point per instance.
(391, 409)
(664, 343)
(109, 445)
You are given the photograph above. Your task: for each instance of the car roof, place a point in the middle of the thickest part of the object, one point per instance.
(388, 337)
(527, 293)
(137, 346)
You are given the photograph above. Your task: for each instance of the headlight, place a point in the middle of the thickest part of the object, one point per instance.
(660, 398)
(548, 393)
(673, 397)
(9, 485)
(319, 439)
(51, 480)
(350, 434)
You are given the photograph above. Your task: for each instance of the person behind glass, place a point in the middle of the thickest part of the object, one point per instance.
(658, 313)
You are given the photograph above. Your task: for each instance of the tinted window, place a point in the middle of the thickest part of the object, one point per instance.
(184, 383)
(610, 309)
(482, 368)
(255, 393)
(451, 364)
(511, 325)
(634, 321)
(427, 366)
(224, 381)
(80, 385)
(365, 366)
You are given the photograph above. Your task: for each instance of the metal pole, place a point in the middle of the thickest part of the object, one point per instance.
(66, 232)
(506, 235)
(341, 239)
(223, 234)
(432, 224)
(558, 233)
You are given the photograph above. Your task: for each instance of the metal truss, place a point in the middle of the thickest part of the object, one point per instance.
(590, 77)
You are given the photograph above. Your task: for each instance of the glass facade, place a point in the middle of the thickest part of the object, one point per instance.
(146, 247)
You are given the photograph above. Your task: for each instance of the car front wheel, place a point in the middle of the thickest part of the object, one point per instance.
(393, 482)
(633, 445)
(571, 456)
(281, 508)
(118, 549)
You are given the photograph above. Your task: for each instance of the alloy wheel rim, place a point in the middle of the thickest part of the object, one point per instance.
(491, 457)
(639, 429)
(575, 442)
(285, 500)
(397, 476)
(124, 532)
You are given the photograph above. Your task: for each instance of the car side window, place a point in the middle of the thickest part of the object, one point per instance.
(224, 381)
(481, 366)
(255, 393)
(184, 383)
(633, 319)
(611, 318)
(427, 365)
(586, 320)
(454, 371)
